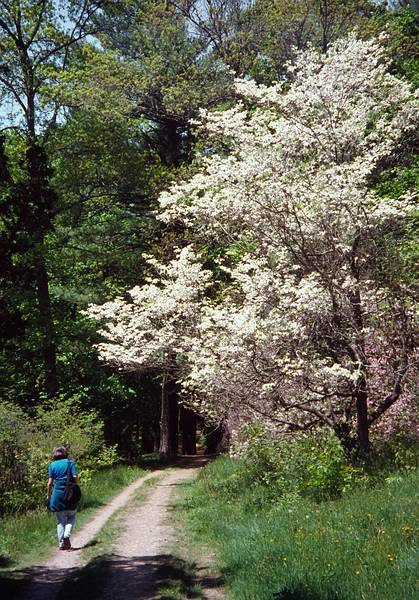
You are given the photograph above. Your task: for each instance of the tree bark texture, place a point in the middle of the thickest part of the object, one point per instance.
(358, 349)
(169, 416)
(148, 439)
(218, 439)
(41, 199)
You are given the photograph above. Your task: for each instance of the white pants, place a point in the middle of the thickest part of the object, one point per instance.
(65, 522)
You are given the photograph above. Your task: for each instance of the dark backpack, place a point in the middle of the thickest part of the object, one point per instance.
(72, 491)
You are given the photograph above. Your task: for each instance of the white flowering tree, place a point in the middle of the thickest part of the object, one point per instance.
(297, 337)
(150, 329)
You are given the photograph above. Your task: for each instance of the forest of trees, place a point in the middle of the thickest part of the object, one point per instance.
(117, 121)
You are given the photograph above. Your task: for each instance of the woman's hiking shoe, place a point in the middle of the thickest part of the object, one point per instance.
(66, 544)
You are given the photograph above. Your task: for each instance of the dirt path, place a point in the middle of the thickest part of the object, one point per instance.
(141, 557)
(143, 547)
(47, 576)
(138, 554)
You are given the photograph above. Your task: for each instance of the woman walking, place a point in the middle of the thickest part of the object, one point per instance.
(58, 472)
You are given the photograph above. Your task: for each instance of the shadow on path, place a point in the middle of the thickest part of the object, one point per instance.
(114, 578)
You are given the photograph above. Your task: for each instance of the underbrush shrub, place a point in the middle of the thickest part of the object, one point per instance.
(26, 444)
(405, 448)
(397, 449)
(314, 466)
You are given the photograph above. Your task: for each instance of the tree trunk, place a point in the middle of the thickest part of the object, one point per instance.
(325, 24)
(148, 440)
(164, 447)
(41, 199)
(174, 419)
(362, 421)
(188, 427)
(169, 416)
(46, 325)
(171, 143)
(346, 439)
(358, 349)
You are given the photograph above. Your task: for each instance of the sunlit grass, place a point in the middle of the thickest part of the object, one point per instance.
(26, 538)
(359, 547)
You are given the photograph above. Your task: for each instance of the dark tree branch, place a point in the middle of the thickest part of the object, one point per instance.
(37, 24)
(394, 395)
(13, 91)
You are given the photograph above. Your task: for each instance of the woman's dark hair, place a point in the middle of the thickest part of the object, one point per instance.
(59, 452)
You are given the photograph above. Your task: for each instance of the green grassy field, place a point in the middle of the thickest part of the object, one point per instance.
(359, 547)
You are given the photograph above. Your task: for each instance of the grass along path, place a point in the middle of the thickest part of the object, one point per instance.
(47, 575)
(29, 537)
(362, 546)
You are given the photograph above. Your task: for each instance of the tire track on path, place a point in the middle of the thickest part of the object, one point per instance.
(142, 552)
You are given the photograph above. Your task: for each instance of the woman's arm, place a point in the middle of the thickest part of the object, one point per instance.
(49, 488)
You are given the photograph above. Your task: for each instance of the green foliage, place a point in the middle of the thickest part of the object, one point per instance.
(399, 248)
(172, 73)
(278, 28)
(398, 450)
(26, 445)
(395, 182)
(309, 466)
(357, 547)
(405, 449)
(106, 181)
(402, 29)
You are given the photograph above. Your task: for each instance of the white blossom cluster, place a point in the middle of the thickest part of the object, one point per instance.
(288, 342)
(152, 324)
(285, 344)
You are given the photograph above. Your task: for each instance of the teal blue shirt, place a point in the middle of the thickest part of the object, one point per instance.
(57, 470)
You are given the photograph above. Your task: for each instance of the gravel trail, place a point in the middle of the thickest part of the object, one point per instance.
(47, 576)
(143, 546)
(141, 550)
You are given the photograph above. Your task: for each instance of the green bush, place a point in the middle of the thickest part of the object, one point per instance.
(396, 450)
(26, 444)
(315, 466)
(312, 466)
